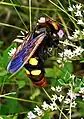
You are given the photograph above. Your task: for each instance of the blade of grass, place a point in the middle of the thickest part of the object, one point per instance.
(64, 24)
(20, 99)
(59, 22)
(11, 26)
(71, 17)
(69, 1)
(30, 15)
(19, 16)
(62, 9)
(27, 7)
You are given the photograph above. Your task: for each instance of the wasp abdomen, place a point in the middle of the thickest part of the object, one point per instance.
(35, 71)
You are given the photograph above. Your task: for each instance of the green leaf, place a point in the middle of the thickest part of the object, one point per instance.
(13, 106)
(3, 73)
(35, 94)
(46, 116)
(1, 43)
(21, 83)
(5, 117)
(76, 89)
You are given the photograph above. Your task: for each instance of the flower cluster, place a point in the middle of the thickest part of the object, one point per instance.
(78, 34)
(78, 13)
(81, 91)
(68, 54)
(68, 99)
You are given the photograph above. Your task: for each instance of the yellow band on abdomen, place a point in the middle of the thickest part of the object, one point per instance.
(33, 61)
(35, 72)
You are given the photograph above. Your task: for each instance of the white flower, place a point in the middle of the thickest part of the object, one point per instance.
(45, 106)
(73, 104)
(70, 9)
(82, 31)
(83, 97)
(53, 106)
(52, 88)
(68, 53)
(42, 20)
(78, 6)
(71, 94)
(59, 61)
(54, 98)
(75, 36)
(79, 50)
(60, 33)
(70, 37)
(67, 101)
(64, 59)
(75, 53)
(61, 54)
(60, 98)
(31, 115)
(78, 13)
(81, 90)
(66, 41)
(38, 111)
(77, 32)
(74, 6)
(80, 22)
(58, 88)
(11, 52)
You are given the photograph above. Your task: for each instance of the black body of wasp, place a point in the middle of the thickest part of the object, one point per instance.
(32, 52)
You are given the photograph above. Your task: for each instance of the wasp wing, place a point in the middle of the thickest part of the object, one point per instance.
(24, 52)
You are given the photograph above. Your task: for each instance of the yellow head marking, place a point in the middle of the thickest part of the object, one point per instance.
(35, 72)
(33, 61)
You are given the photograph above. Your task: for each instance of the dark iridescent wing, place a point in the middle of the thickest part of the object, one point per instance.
(24, 52)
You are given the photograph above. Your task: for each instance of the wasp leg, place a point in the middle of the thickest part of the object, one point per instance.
(17, 40)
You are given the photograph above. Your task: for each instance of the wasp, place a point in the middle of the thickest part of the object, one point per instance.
(31, 53)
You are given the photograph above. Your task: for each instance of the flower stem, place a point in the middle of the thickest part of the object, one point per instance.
(30, 15)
